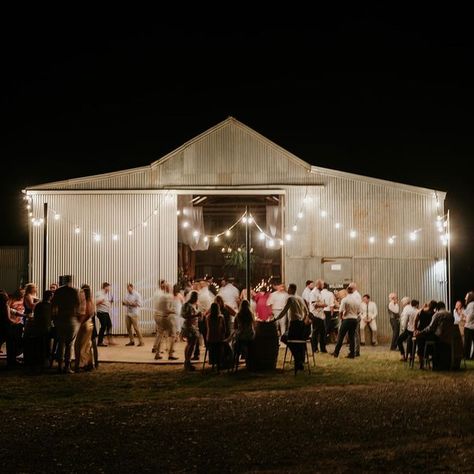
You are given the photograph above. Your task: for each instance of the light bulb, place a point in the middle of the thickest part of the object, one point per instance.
(206, 239)
(130, 232)
(295, 228)
(300, 215)
(185, 224)
(196, 233)
(97, 237)
(337, 225)
(391, 240)
(244, 220)
(271, 243)
(261, 236)
(178, 212)
(115, 237)
(324, 213)
(372, 240)
(412, 235)
(288, 237)
(77, 230)
(57, 217)
(155, 212)
(227, 233)
(216, 238)
(353, 234)
(250, 220)
(144, 223)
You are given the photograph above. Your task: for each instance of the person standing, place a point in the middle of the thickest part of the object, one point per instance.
(277, 300)
(230, 294)
(83, 343)
(306, 295)
(394, 313)
(190, 329)
(132, 303)
(469, 326)
(65, 307)
(215, 332)
(367, 318)
(329, 301)
(316, 308)
(407, 328)
(349, 312)
(165, 325)
(103, 301)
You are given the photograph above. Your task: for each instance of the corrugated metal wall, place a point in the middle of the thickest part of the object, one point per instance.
(144, 258)
(13, 267)
(233, 155)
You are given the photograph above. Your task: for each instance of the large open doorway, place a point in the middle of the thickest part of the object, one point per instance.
(211, 236)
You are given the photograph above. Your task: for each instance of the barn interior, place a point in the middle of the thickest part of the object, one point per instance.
(211, 236)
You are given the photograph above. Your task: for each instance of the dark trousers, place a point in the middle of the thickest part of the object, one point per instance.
(347, 326)
(318, 334)
(203, 333)
(296, 332)
(215, 353)
(327, 323)
(468, 340)
(406, 335)
(105, 325)
(395, 323)
(13, 341)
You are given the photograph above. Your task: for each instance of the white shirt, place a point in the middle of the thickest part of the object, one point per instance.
(350, 306)
(316, 297)
(106, 304)
(277, 300)
(328, 299)
(133, 298)
(295, 309)
(393, 307)
(469, 312)
(163, 304)
(230, 295)
(407, 318)
(205, 299)
(368, 310)
(306, 295)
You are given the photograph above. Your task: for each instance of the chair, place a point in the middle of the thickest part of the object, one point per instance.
(308, 341)
(426, 356)
(411, 360)
(306, 353)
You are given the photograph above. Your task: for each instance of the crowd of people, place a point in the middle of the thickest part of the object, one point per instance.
(222, 319)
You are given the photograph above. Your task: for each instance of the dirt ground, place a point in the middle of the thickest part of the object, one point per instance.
(125, 420)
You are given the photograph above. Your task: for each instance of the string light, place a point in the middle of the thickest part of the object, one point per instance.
(144, 223)
(324, 213)
(261, 236)
(77, 230)
(300, 215)
(206, 239)
(178, 212)
(337, 225)
(57, 216)
(155, 212)
(115, 237)
(372, 239)
(295, 228)
(391, 240)
(288, 237)
(185, 224)
(130, 232)
(227, 233)
(97, 237)
(353, 234)
(196, 233)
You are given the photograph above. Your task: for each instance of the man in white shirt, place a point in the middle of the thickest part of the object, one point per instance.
(394, 313)
(329, 300)
(164, 318)
(205, 299)
(103, 302)
(132, 303)
(407, 328)
(306, 295)
(318, 318)
(349, 312)
(277, 300)
(230, 295)
(368, 313)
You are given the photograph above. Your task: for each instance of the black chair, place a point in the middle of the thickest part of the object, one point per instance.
(306, 353)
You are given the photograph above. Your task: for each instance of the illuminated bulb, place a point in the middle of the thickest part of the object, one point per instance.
(130, 232)
(144, 223)
(206, 239)
(353, 234)
(412, 235)
(250, 220)
(56, 217)
(391, 240)
(223, 250)
(229, 250)
(155, 212)
(244, 220)
(324, 213)
(239, 250)
(216, 238)
(288, 237)
(337, 225)
(281, 242)
(251, 250)
(196, 233)
(371, 240)
(261, 236)
(30, 214)
(445, 224)
(227, 233)
(185, 224)
(114, 237)
(178, 212)
(438, 218)
(77, 230)
(300, 215)
(271, 243)
(97, 237)
(28, 206)
(295, 228)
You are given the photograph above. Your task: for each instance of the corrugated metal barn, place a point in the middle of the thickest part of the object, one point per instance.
(123, 226)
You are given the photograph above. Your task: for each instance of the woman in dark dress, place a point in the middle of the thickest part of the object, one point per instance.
(422, 321)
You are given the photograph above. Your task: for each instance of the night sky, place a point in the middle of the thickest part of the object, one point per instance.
(380, 93)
